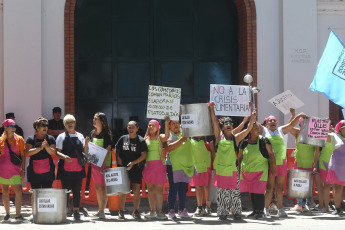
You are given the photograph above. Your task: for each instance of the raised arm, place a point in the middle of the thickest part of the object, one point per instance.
(240, 136)
(288, 127)
(240, 126)
(171, 146)
(216, 128)
(292, 111)
(164, 137)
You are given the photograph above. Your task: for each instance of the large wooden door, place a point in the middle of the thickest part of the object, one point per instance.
(122, 46)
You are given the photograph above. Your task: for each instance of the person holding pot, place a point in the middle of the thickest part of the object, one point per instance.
(101, 136)
(277, 137)
(12, 171)
(306, 158)
(180, 169)
(155, 171)
(335, 174)
(203, 158)
(254, 157)
(226, 177)
(323, 163)
(131, 151)
(40, 148)
(69, 145)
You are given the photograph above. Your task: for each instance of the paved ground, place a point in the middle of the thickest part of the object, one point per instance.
(314, 220)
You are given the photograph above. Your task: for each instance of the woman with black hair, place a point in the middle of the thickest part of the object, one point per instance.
(101, 135)
(225, 164)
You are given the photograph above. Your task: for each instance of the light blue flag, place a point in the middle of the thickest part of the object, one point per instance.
(330, 73)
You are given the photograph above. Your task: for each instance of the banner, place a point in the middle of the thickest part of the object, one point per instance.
(285, 101)
(318, 128)
(330, 73)
(163, 101)
(230, 100)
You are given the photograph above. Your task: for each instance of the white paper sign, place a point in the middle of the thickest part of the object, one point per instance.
(96, 154)
(188, 120)
(113, 178)
(300, 184)
(230, 100)
(163, 101)
(46, 204)
(285, 101)
(343, 110)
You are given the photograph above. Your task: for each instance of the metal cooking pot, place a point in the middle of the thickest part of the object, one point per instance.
(299, 183)
(116, 181)
(303, 134)
(49, 206)
(202, 123)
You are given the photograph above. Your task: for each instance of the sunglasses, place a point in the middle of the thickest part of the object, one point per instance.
(43, 125)
(228, 123)
(12, 126)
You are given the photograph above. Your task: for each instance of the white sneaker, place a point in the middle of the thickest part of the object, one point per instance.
(297, 208)
(282, 213)
(161, 216)
(267, 213)
(273, 208)
(312, 206)
(306, 208)
(150, 215)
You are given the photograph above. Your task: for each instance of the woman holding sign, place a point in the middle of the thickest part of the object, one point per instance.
(155, 171)
(69, 144)
(11, 173)
(226, 177)
(100, 136)
(306, 157)
(277, 137)
(335, 175)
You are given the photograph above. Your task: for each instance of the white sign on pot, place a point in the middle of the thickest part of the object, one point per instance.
(188, 120)
(46, 204)
(113, 178)
(300, 184)
(230, 100)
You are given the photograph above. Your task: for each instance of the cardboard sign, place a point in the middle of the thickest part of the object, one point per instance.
(96, 154)
(300, 184)
(188, 120)
(230, 100)
(46, 204)
(285, 101)
(113, 178)
(318, 128)
(163, 101)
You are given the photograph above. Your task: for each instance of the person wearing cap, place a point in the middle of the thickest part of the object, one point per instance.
(11, 174)
(277, 137)
(19, 130)
(55, 126)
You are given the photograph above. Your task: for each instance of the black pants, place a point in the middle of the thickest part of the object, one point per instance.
(258, 202)
(75, 186)
(41, 185)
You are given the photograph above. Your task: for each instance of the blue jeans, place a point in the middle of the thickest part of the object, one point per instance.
(300, 201)
(179, 188)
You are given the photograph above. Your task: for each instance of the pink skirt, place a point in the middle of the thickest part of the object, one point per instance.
(98, 177)
(155, 172)
(252, 183)
(225, 182)
(332, 178)
(202, 179)
(281, 169)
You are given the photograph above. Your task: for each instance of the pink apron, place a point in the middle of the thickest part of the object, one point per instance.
(8, 169)
(73, 166)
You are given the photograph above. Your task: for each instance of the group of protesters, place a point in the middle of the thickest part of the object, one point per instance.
(248, 158)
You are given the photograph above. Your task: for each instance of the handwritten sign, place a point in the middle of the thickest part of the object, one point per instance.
(96, 154)
(113, 178)
(163, 101)
(318, 128)
(285, 101)
(300, 184)
(188, 120)
(230, 100)
(46, 204)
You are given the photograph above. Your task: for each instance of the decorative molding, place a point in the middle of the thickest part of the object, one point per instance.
(331, 7)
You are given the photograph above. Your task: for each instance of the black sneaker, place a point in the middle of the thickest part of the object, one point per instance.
(20, 218)
(70, 213)
(136, 215)
(251, 214)
(237, 217)
(259, 216)
(7, 217)
(121, 215)
(337, 211)
(84, 211)
(76, 215)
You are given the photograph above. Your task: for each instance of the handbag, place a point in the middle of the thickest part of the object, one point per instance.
(14, 157)
(82, 160)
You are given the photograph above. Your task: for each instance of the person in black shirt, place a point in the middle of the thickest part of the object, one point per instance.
(131, 152)
(56, 125)
(19, 130)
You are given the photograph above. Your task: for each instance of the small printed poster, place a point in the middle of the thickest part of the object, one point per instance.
(188, 120)
(96, 154)
(300, 184)
(46, 204)
(113, 178)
